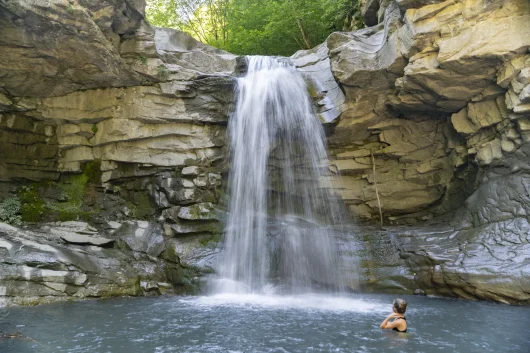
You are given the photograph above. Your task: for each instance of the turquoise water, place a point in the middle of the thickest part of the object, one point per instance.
(251, 323)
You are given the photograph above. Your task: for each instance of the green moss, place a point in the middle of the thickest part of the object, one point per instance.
(92, 170)
(32, 207)
(70, 9)
(74, 191)
(94, 129)
(142, 59)
(189, 162)
(214, 238)
(312, 89)
(208, 197)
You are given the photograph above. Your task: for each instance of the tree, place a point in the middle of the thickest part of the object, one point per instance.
(163, 13)
(265, 27)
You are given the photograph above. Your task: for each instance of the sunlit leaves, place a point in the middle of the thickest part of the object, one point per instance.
(267, 27)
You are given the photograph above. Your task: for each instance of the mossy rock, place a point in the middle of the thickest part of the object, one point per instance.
(214, 239)
(141, 206)
(182, 280)
(32, 207)
(92, 170)
(73, 189)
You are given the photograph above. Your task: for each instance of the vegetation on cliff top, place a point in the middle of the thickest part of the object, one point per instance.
(255, 27)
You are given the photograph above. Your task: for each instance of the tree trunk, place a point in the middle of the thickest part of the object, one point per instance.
(302, 31)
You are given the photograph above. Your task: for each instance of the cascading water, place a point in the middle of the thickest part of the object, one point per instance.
(276, 234)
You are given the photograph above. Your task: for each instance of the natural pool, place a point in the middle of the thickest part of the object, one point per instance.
(229, 323)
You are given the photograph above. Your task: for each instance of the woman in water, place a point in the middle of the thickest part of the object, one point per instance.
(399, 323)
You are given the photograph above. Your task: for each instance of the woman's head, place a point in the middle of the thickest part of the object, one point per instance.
(400, 306)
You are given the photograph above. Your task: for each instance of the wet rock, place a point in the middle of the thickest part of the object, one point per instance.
(201, 181)
(37, 267)
(171, 214)
(81, 239)
(316, 67)
(192, 227)
(199, 251)
(148, 286)
(200, 211)
(142, 236)
(114, 225)
(190, 171)
(215, 179)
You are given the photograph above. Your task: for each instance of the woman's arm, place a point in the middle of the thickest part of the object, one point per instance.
(390, 325)
(383, 324)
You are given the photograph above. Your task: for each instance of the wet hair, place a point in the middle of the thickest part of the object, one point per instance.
(400, 305)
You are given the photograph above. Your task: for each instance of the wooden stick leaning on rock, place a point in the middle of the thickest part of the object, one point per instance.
(376, 192)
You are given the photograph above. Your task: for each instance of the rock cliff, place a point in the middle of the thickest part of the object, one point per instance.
(436, 92)
(105, 118)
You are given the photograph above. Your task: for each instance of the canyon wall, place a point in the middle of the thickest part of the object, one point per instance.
(105, 119)
(436, 96)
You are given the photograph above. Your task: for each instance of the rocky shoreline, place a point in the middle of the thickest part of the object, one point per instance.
(72, 260)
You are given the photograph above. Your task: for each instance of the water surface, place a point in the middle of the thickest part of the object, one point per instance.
(252, 323)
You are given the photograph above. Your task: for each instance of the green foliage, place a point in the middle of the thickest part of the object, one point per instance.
(355, 14)
(339, 14)
(163, 71)
(163, 13)
(142, 59)
(272, 27)
(70, 9)
(32, 205)
(94, 129)
(9, 211)
(92, 170)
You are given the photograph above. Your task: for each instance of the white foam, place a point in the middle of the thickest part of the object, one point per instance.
(302, 302)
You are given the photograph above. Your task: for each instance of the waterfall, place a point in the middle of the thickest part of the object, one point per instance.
(280, 208)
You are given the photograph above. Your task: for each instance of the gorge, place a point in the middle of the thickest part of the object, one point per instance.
(116, 147)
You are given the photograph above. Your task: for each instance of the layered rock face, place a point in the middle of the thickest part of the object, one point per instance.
(72, 260)
(105, 118)
(436, 96)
